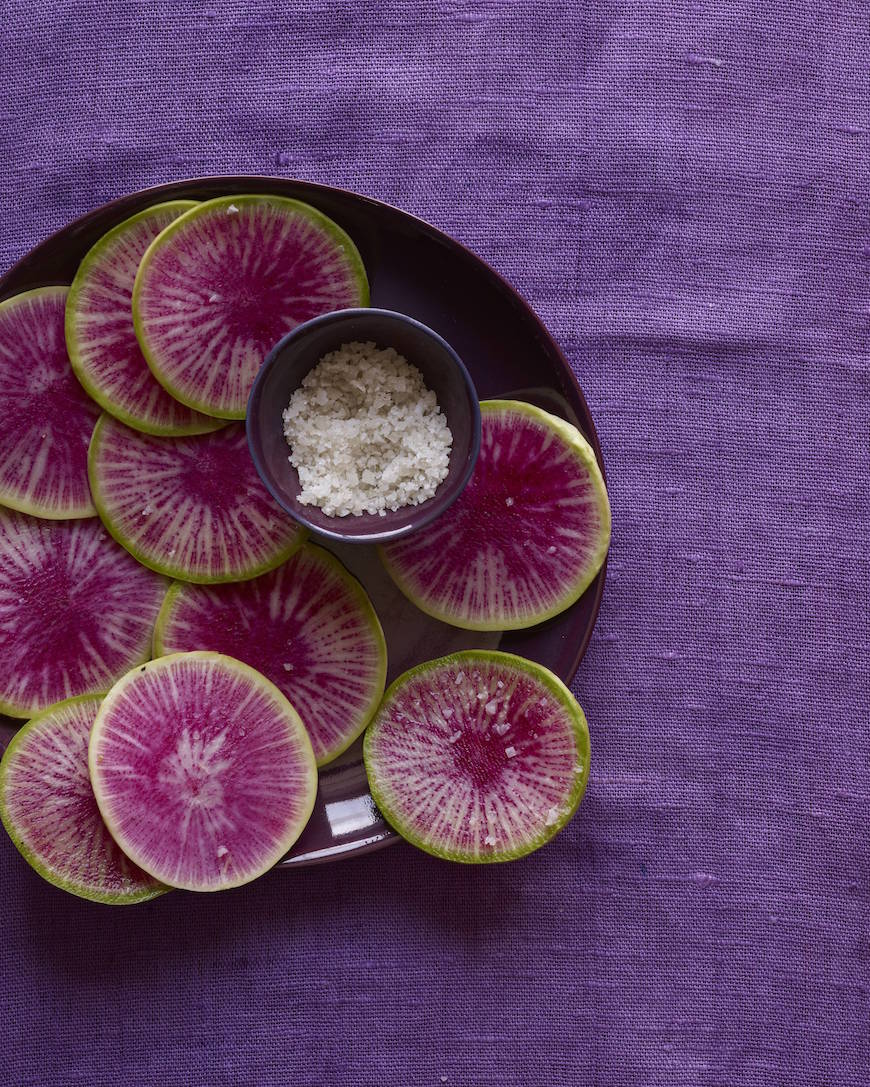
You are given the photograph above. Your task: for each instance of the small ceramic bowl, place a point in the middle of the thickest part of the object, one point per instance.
(300, 351)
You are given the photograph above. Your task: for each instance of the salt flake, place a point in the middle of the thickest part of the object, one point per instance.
(510, 752)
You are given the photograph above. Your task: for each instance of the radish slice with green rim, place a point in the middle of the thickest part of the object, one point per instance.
(193, 508)
(222, 284)
(48, 808)
(101, 338)
(202, 770)
(76, 611)
(478, 756)
(47, 416)
(524, 539)
(308, 626)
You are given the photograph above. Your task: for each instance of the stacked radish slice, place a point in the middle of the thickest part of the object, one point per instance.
(200, 768)
(185, 659)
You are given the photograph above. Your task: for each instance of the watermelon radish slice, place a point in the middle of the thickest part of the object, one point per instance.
(76, 611)
(478, 756)
(192, 508)
(100, 336)
(47, 416)
(524, 539)
(48, 808)
(308, 626)
(221, 285)
(202, 770)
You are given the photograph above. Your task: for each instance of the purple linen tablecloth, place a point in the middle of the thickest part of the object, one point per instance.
(681, 191)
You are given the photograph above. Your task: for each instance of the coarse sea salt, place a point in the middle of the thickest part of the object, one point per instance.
(365, 434)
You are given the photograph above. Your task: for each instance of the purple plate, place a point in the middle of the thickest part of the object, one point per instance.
(417, 270)
(282, 374)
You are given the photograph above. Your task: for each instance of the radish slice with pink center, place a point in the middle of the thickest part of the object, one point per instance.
(76, 611)
(192, 508)
(479, 756)
(221, 285)
(48, 808)
(47, 416)
(202, 770)
(101, 338)
(308, 626)
(524, 539)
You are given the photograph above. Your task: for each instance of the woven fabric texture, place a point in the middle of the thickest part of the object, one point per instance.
(681, 192)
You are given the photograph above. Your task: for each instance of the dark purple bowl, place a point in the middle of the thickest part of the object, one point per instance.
(299, 351)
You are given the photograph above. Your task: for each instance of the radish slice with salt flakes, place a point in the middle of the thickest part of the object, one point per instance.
(479, 756)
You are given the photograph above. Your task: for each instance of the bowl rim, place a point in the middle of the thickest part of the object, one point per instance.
(411, 522)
